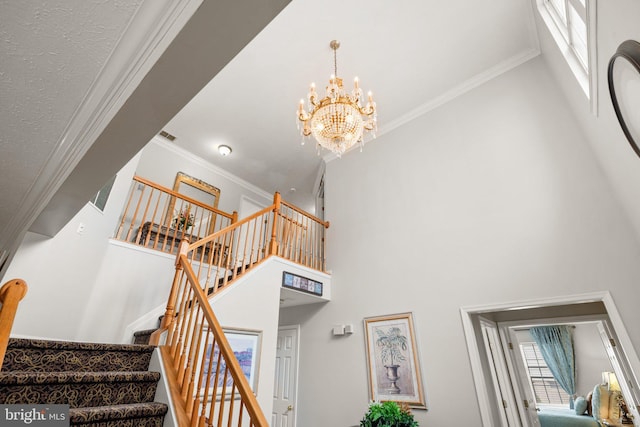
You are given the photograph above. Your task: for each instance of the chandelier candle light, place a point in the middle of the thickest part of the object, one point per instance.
(337, 121)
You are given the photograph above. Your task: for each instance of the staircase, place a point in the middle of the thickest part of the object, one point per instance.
(110, 385)
(105, 385)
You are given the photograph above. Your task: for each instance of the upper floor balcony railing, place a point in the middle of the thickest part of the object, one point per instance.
(158, 218)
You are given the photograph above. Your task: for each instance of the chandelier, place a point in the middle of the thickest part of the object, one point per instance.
(337, 121)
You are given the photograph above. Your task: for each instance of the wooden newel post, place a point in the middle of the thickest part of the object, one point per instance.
(170, 311)
(273, 244)
(10, 295)
(234, 217)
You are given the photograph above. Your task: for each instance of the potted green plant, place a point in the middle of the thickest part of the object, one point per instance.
(388, 414)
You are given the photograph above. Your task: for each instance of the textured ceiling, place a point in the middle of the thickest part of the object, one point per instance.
(51, 52)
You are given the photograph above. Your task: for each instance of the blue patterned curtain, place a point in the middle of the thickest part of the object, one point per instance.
(556, 345)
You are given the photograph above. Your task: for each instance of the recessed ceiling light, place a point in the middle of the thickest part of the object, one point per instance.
(224, 150)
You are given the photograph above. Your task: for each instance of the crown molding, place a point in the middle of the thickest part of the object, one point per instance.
(450, 95)
(461, 89)
(210, 166)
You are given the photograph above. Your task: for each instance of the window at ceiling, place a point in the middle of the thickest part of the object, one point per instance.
(101, 197)
(545, 388)
(572, 25)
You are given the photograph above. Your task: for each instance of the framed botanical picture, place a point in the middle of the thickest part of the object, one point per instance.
(392, 356)
(245, 344)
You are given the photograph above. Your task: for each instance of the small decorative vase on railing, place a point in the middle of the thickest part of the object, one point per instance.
(392, 374)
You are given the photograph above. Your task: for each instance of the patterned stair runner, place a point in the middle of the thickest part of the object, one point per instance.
(106, 385)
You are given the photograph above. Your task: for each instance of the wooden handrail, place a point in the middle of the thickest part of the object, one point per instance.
(308, 215)
(238, 376)
(158, 217)
(202, 268)
(10, 295)
(229, 228)
(181, 196)
(189, 360)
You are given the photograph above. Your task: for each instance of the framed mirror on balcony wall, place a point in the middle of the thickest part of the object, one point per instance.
(200, 191)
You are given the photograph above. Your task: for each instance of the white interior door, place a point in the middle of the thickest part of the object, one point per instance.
(286, 378)
(503, 389)
(518, 372)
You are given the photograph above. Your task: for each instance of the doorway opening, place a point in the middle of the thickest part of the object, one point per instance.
(505, 395)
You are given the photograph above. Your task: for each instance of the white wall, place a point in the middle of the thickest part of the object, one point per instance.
(617, 21)
(493, 197)
(255, 304)
(160, 161)
(129, 283)
(591, 358)
(61, 271)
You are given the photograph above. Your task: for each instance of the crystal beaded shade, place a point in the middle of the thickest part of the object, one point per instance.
(337, 126)
(337, 121)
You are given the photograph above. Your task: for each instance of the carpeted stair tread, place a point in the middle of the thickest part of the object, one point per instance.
(26, 377)
(144, 332)
(76, 345)
(78, 389)
(105, 385)
(56, 356)
(117, 412)
(143, 337)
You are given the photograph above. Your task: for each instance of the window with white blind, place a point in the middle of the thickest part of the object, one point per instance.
(545, 388)
(101, 197)
(572, 25)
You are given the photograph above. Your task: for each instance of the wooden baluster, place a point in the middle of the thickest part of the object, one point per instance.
(205, 377)
(223, 394)
(144, 216)
(173, 294)
(324, 247)
(135, 215)
(165, 221)
(177, 324)
(11, 294)
(240, 412)
(260, 247)
(243, 263)
(305, 242)
(193, 311)
(153, 216)
(214, 394)
(227, 259)
(187, 295)
(231, 402)
(253, 240)
(124, 212)
(196, 341)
